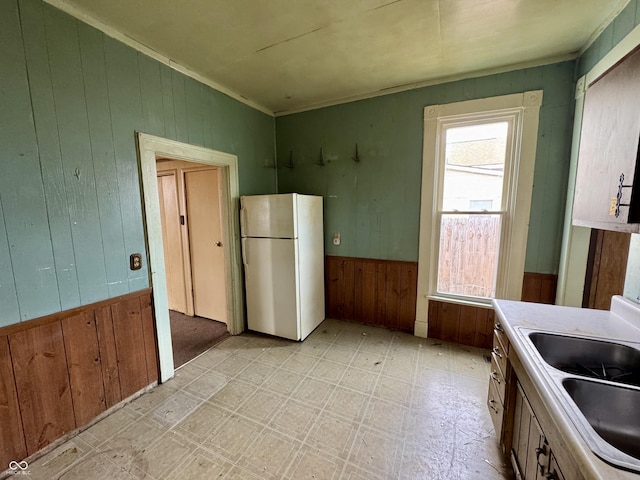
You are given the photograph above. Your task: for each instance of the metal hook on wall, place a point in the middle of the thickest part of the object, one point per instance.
(357, 157)
(321, 161)
(289, 164)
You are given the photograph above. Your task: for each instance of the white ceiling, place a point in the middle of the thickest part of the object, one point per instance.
(287, 55)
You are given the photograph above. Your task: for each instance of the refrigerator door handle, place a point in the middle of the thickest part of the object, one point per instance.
(245, 253)
(243, 220)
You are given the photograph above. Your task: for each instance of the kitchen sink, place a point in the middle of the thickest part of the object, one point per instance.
(589, 357)
(598, 384)
(612, 412)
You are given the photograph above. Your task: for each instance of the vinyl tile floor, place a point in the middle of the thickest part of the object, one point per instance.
(350, 402)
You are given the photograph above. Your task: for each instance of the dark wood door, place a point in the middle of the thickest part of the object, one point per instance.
(606, 268)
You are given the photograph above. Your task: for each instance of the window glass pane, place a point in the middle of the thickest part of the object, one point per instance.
(474, 167)
(468, 256)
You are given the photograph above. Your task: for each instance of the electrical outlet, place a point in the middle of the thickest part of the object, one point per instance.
(135, 261)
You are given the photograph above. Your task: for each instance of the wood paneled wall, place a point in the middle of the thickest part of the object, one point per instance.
(60, 371)
(473, 326)
(539, 287)
(375, 292)
(463, 324)
(383, 292)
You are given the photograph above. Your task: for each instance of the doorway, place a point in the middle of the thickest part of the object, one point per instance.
(192, 230)
(152, 148)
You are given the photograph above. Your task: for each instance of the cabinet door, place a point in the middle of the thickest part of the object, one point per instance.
(554, 469)
(537, 448)
(529, 445)
(496, 409)
(609, 148)
(521, 424)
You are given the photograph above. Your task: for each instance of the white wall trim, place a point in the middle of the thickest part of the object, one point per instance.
(575, 240)
(150, 148)
(527, 107)
(142, 48)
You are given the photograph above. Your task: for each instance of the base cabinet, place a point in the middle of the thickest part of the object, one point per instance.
(531, 455)
(501, 396)
(517, 426)
(554, 470)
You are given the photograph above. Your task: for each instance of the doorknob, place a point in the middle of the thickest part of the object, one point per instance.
(218, 244)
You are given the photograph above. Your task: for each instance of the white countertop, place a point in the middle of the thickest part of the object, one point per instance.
(622, 323)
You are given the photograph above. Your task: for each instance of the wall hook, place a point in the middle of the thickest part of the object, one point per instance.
(76, 173)
(321, 161)
(357, 157)
(289, 164)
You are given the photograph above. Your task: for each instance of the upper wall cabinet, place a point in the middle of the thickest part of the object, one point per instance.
(607, 182)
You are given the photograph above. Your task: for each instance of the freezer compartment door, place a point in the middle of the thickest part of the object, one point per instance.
(269, 216)
(272, 286)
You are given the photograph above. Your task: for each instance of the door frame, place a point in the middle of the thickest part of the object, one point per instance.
(150, 148)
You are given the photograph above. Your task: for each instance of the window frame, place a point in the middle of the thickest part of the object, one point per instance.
(513, 118)
(524, 109)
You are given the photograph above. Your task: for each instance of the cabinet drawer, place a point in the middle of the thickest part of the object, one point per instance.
(499, 353)
(496, 409)
(499, 332)
(497, 377)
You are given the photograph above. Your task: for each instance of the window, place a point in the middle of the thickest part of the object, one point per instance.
(472, 164)
(477, 181)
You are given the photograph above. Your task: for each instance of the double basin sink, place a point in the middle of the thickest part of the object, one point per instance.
(598, 382)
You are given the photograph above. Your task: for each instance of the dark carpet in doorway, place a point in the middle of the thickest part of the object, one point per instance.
(193, 335)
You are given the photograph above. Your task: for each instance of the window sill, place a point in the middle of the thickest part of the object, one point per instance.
(472, 302)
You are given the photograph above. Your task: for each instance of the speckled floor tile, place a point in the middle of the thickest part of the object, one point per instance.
(351, 402)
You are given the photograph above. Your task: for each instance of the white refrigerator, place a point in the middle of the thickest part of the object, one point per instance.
(283, 256)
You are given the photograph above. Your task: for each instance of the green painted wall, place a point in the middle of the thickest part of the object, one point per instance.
(610, 37)
(375, 204)
(71, 99)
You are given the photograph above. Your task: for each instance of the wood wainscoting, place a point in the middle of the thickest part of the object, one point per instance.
(539, 287)
(473, 326)
(60, 371)
(375, 292)
(464, 324)
(383, 292)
